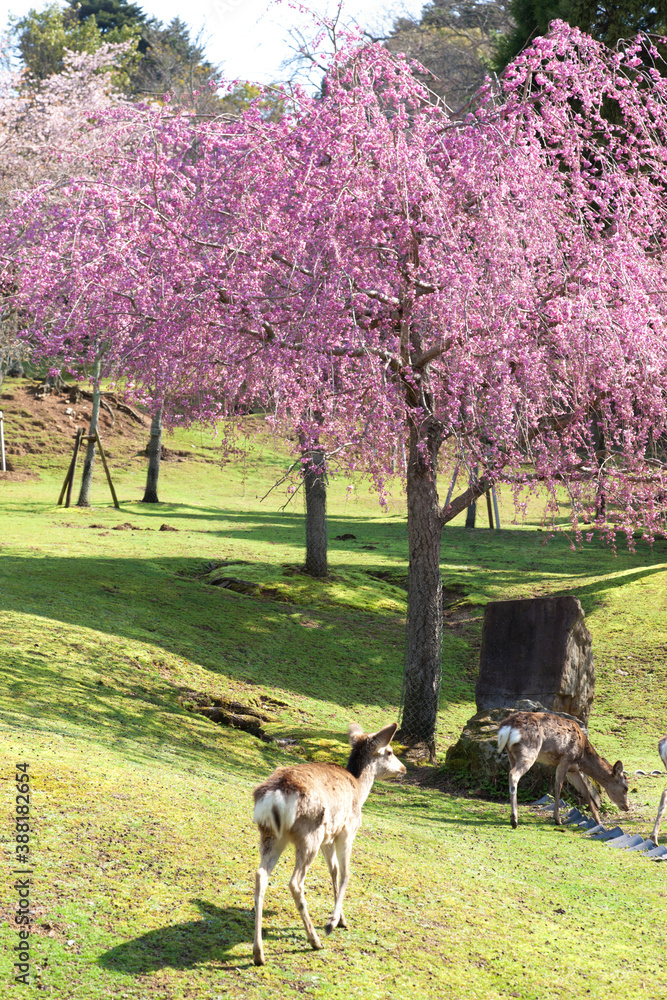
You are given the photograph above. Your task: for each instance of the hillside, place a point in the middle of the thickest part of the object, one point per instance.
(143, 845)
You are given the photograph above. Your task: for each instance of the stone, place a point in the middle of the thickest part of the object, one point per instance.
(643, 846)
(625, 841)
(589, 824)
(605, 835)
(656, 852)
(537, 649)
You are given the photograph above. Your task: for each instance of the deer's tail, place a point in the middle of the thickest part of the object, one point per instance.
(507, 737)
(276, 810)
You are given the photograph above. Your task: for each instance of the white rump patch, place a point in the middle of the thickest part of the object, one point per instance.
(662, 747)
(507, 737)
(276, 811)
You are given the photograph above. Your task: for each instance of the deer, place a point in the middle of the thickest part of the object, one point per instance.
(552, 739)
(317, 807)
(662, 750)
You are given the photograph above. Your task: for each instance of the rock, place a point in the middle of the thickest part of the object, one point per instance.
(538, 649)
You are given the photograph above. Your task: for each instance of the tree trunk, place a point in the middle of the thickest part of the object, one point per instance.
(423, 646)
(315, 486)
(154, 452)
(600, 455)
(89, 461)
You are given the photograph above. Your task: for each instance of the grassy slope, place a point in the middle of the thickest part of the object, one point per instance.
(144, 845)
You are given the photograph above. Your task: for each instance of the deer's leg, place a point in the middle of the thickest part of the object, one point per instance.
(520, 762)
(561, 771)
(270, 849)
(583, 786)
(343, 845)
(306, 852)
(658, 818)
(329, 852)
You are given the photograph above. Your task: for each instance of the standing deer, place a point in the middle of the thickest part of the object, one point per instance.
(318, 807)
(662, 750)
(551, 739)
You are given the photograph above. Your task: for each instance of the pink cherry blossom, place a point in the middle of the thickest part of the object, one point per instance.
(489, 290)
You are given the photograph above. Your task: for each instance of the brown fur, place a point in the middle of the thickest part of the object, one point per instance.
(662, 750)
(300, 779)
(317, 807)
(551, 739)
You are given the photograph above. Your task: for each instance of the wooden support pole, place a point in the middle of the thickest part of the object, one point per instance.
(471, 515)
(495, 507)
(488, 508)
(3, 466)
(451, 486)
(106, 469)
(69, 478)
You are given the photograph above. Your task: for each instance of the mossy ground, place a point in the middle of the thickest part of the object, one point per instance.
(144, 847)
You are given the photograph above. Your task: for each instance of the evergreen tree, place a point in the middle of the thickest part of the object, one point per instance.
(42, 38)
(110, 15)
(606, 20)
(162, 59)
(173, 62)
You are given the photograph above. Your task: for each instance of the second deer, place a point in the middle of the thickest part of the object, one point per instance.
(662, 750)
(317, 807)
(550, 739)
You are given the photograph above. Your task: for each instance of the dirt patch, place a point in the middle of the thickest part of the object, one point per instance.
(171, 454)
(394, 577)
(42, 425)
(18, 475)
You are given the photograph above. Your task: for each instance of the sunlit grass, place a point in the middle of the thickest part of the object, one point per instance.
(144, 848)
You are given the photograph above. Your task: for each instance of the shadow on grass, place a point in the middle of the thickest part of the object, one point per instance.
(208, 941)
(324, 651)
(115, 713)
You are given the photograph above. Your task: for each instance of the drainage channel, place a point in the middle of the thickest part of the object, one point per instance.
(614, 837)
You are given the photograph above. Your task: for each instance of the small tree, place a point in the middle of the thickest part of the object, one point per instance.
(456, 41)
(43, 39)
(48, 134)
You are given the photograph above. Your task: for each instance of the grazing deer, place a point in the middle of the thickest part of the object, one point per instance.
(662, 750)
(318, 807)
(551, 739)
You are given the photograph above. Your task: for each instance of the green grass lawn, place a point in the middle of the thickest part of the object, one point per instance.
(143, 844)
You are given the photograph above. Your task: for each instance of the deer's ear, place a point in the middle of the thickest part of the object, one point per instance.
(384, 737)
(354, 732)
(618, 769)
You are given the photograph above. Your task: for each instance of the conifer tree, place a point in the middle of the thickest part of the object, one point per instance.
(608, 21)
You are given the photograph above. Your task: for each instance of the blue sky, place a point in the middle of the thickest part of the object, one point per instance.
(249, 38)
